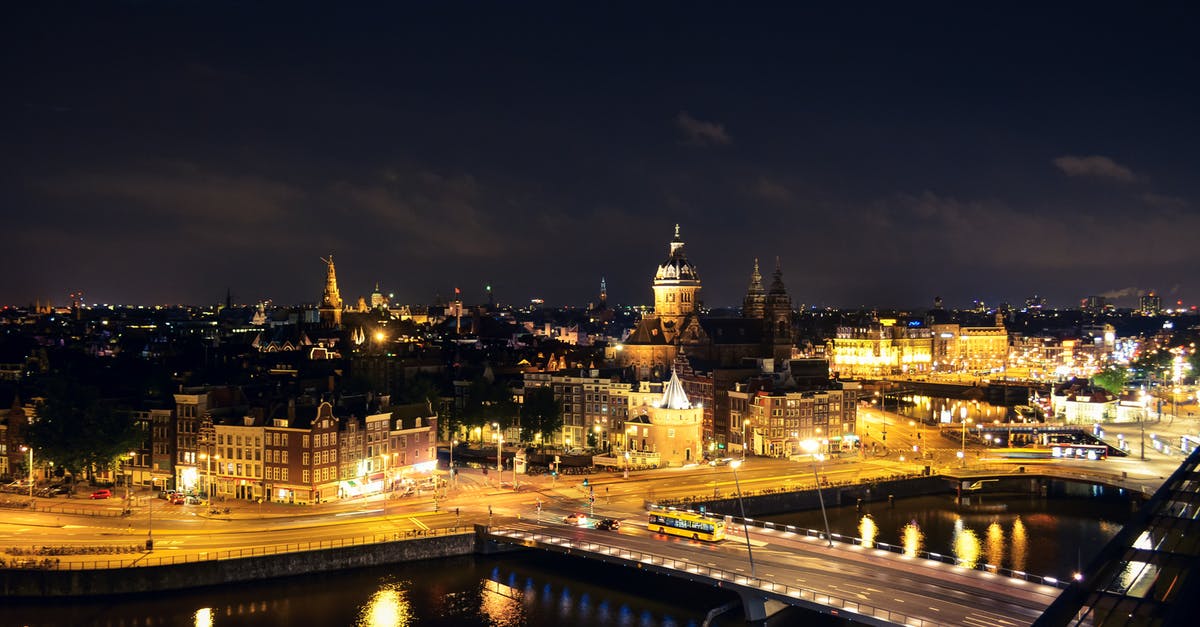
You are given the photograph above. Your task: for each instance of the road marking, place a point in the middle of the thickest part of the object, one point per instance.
(418, 523)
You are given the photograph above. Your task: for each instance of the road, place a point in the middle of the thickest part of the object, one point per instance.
(935, 592)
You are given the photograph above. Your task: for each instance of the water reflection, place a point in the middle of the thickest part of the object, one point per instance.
(388, 607)
(203, 617)
(966, 545)
(912, 539)
(503, 604)
(867, 531)
(1020, 545)
(995, 544)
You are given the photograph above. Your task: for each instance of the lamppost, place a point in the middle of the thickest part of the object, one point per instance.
(30, 469)
(962, 446)
(453, 475)
(499, 454)
(745, 436)
(745, 527)
(811, 446)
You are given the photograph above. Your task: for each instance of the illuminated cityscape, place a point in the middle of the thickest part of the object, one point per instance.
(717, 316)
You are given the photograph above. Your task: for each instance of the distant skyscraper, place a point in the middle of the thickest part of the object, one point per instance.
(331, 301)
(1151, 304)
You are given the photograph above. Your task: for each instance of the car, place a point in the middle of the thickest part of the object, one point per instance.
(720, 461)
(194, 500)
(60, 489)
(575, 519)
(608, 524)
(101, 494)
(177, 499)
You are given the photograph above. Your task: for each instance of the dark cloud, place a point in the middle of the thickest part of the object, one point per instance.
(700, 133)
(1094, 166)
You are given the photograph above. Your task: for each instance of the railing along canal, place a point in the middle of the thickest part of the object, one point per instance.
(783, 592)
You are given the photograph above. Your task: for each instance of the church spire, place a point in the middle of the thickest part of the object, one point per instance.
(753, 306)
(331, 300)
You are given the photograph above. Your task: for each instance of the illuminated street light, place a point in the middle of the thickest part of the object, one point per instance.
(30, 470)
(962, 447)
(811, 447)
(745, 527)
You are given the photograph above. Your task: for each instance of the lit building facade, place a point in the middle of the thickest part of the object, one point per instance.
(669, 425)
(776, 422)
(587, 402)
(879, 350)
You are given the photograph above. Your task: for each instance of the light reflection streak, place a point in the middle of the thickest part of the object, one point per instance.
(387, 607)
(1020, 545)
(995, 544)
(913, 539)
(867, 531)
(502, 604)
(966, 545)
(204, 617)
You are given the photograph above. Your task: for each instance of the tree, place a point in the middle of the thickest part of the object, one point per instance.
(1112, 379)
(78, 431)
(488, 402)
(1154, 364)
(541, 413)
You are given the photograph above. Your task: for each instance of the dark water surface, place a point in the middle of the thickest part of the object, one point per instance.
(1054, 536)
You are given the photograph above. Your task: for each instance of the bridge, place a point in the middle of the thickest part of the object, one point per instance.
(872, 585)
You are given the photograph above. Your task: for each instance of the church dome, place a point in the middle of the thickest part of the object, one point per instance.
(677, 267)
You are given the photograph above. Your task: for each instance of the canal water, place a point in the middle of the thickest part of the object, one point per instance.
(1047, 536)
(1055, 536)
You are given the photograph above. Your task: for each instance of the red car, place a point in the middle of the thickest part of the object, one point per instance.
(101, 494)
(177, 499)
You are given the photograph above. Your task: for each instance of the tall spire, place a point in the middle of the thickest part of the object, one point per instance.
(777, 284)
(331, 300)
(753, 306)
(603, 290)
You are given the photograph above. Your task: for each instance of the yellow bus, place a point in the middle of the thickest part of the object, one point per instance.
(687, 524)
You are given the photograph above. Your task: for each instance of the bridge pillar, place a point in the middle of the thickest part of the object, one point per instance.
(758, 609)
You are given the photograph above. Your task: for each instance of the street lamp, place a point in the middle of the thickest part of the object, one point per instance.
(453, 475)
(962, 446)
(745, 436)
(742, 506)
(811, 446)
(499, 452)
(30, 469)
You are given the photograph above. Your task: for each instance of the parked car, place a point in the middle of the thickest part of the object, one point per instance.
(576, 519)
(608, 524)
(177, 499)
(194, 500)
(60, 489)
(101, 494)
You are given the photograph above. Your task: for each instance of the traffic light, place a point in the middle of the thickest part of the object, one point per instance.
(585, 483)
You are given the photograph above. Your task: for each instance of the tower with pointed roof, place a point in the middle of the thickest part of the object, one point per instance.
(676, 287)
(755, 304)
(778, 316)
(331, 301)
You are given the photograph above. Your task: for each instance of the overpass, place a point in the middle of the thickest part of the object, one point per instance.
(871, 585)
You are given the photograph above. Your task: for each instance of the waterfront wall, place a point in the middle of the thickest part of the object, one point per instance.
(798, 500)
(38, 583)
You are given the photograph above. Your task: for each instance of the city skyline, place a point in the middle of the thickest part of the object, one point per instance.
(165, 154)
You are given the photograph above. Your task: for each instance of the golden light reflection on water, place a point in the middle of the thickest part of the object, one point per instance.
(966, 545)
(995, 544)
(388, 607)
(1020, 545)
(913, 539)
(203, 617)
(867, 531)
(502, 604)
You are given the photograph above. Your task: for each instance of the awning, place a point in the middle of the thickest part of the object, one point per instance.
(376, 477)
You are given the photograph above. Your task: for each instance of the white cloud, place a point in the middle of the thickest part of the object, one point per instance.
(701, 133)
(1094, 165)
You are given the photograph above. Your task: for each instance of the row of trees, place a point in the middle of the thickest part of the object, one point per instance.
(489, 402)
(78, 431)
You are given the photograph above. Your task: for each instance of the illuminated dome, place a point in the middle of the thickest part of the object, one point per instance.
(677, 267)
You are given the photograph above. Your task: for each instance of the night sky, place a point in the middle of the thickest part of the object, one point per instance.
(162, 152)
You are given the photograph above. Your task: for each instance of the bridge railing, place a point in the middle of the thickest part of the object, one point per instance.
(736, 522)
(81, 558)
(783, 592)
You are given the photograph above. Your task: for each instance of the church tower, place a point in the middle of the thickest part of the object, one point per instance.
(676, 288)
(755, 304)
(778, 316)
(331, 301)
